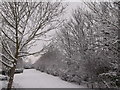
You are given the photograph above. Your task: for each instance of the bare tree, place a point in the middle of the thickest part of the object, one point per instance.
(23, 23)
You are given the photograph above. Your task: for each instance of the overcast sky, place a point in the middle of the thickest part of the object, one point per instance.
(40, 44)
(71, 6)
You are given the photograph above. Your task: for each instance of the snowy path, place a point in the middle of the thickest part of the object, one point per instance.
(35, 79)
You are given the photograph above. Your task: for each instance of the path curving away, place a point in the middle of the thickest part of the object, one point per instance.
(32, 78)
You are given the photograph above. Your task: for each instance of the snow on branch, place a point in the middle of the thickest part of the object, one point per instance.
(8, 52)
(6, 64)
(6, 58)
(29, 54)
(7, 36)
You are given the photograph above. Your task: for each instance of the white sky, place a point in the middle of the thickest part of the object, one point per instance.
(40, 44)
(72, 6)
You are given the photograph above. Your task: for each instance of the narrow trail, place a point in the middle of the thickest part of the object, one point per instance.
(32, 78)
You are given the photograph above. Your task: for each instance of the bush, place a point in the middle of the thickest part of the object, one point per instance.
(64, 76)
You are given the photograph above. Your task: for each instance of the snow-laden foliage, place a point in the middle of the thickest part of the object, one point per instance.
(89, 44)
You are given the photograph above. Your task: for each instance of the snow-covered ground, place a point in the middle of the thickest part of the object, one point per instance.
(32, 78)
(3, 84)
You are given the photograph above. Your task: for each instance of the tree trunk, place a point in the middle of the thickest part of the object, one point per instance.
(16, 54)
(12, 70)
(119, 37)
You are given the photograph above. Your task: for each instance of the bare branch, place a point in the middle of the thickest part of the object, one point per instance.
(29, 54)
(6, 64)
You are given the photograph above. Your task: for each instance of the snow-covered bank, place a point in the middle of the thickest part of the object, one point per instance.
(31, 78)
